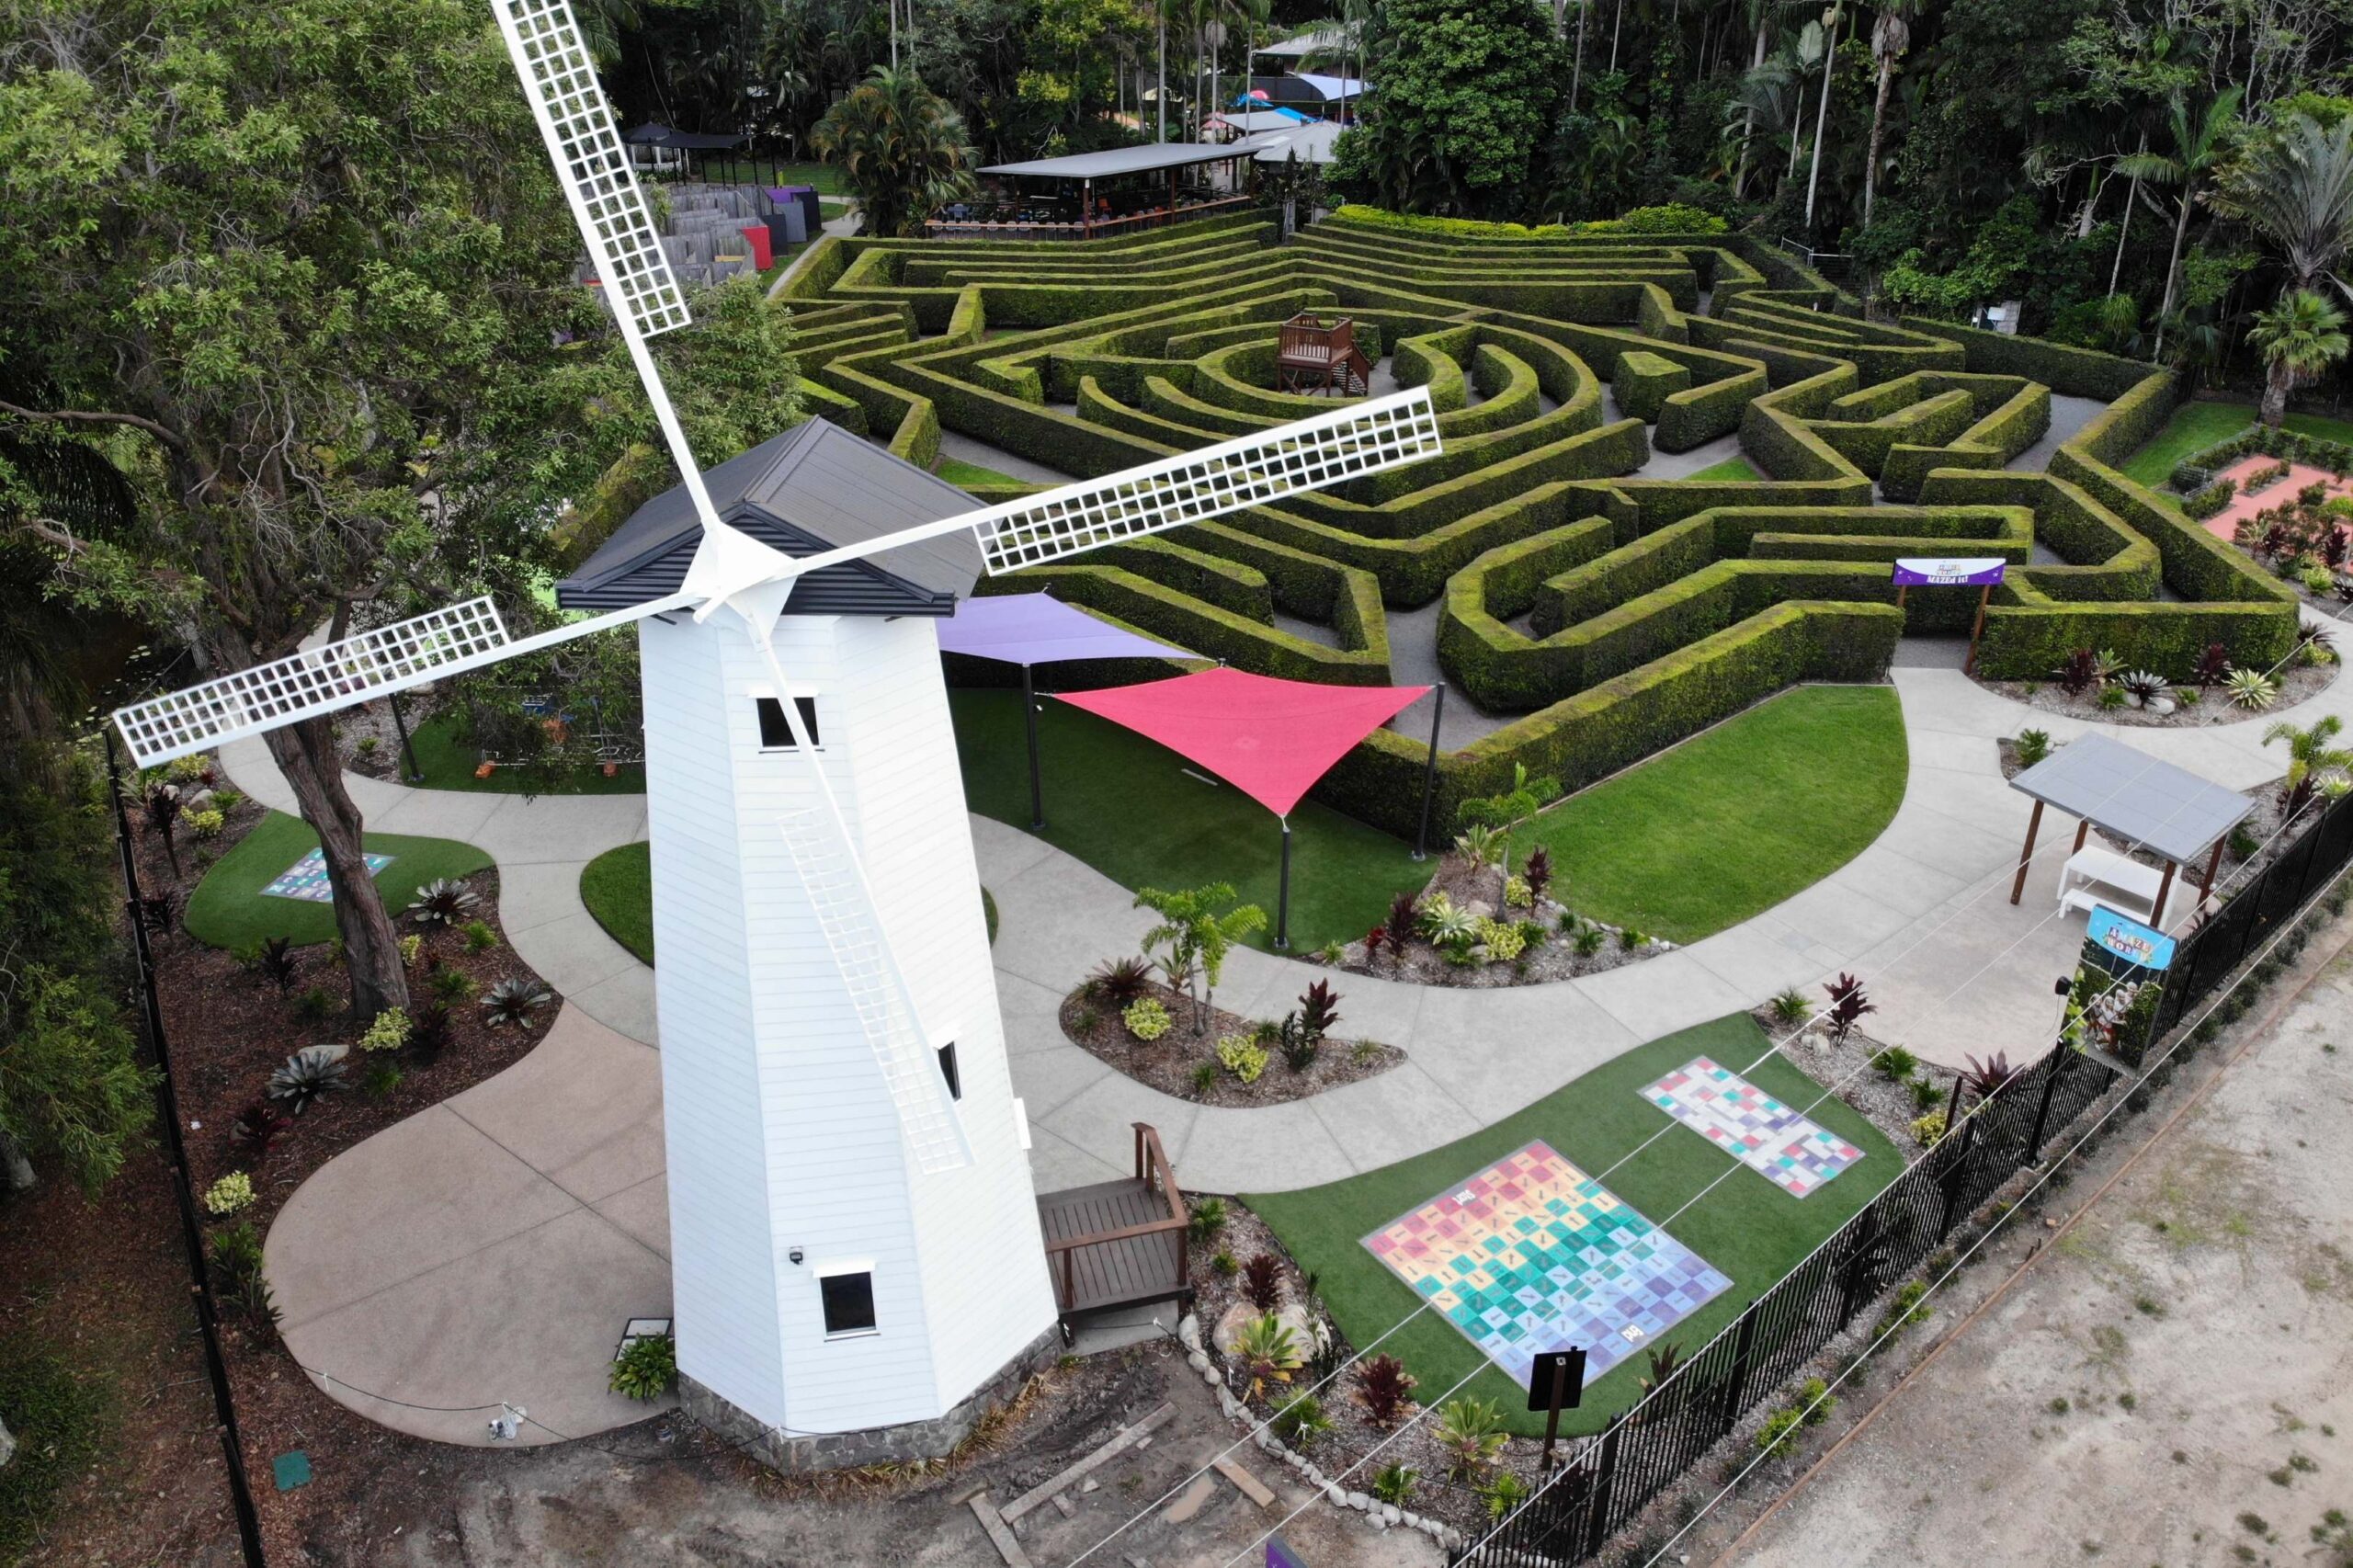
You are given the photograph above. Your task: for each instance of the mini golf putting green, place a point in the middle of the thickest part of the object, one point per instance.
(1745, 1228)
(228, 909)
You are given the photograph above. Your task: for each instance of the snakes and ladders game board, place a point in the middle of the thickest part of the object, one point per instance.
(1531, 1255)
(1750, 1125)
(307, 879)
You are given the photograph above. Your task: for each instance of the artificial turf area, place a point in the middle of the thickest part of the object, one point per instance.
(448, 764)
(1732, 821)
(2195, 425)
(618, 888)
(957, 471)
(1743, 1225)
(1126, 806)
(228, 909)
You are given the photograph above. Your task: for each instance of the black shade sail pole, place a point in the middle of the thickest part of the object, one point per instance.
(1429, 776)
(1030, 721)
(1282, 899)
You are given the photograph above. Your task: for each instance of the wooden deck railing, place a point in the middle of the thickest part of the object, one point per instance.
(1158, 1178)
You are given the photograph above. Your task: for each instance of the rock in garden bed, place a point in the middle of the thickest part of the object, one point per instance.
(1240, 1272)
(1467, 928)
(1192, 1065)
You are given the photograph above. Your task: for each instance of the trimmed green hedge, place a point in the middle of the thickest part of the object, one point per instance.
(1645, 380)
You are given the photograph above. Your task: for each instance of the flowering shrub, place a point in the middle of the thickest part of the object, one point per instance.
(1929, 1128)
(389, 1032)
(204, 823)
(1241, 1056)
(230, 1193)
(1146, 1019)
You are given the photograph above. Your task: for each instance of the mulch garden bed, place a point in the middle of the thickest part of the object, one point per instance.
(1174, 1062)
(1850, 1069)
(1353, 1436)
(228, 1028)
(1556, 957)
(2298, 683)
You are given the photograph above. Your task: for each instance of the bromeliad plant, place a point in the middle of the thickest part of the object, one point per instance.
(1268, 1353)
(314, 1070)
(444, 902)
(514, 1000)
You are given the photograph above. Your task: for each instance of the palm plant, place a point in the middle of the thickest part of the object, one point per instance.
(902, 149)
(1193, 938)
(2200, 141)
(2300, 336)
(2313, 762)
(2295, 188)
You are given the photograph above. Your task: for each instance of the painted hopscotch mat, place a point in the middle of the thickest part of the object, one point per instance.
(1753, 1127)
(1532, 1255)
(307, 879)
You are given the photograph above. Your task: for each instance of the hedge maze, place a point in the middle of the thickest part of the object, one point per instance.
(1609, 615)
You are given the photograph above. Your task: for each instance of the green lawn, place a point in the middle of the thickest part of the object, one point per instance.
(1747, 1228)
(2195, 425)
(826, 178)
(618, 888)
(956, 472)
(228, 909)
(1122, 805)
(448, 764)
(1730, 468)
(1732, 821)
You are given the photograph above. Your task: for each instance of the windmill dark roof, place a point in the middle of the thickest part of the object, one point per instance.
(813, 488)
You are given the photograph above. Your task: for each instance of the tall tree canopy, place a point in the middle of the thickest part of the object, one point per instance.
(304, 263)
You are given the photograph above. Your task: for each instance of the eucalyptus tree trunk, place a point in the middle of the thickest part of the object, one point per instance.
(307, 755)
(1160, 104)
(2124, 229)
(1748, 118)
(1821, 119)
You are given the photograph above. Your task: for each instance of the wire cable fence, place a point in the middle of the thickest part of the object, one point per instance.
(1610, 1477)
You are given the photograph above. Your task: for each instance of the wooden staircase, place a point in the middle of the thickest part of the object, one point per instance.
(1316, 355)
(1117, 1244)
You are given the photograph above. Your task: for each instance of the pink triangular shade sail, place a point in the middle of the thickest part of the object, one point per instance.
(1039, 628)
(1271, 739)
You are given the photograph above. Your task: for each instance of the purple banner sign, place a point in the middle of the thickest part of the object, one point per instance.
(1970, 571)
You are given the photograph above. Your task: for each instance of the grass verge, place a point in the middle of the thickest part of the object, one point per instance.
(1746, 1227)
(618, 888)
(2195, 425)
(228, 909)
(61, 1421)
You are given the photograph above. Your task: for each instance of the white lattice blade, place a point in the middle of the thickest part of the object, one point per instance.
(344, 674)
(560, 80)
(727, 561)
(1307, 454)
(878, 994)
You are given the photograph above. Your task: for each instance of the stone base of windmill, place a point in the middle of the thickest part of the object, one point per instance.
(805, 1454)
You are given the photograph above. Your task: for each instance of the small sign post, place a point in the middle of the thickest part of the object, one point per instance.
(1979, 571)
(1556, 1383)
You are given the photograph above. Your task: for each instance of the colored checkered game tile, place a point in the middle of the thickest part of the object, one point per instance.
(307, 879)
(1532, 1255)
(1793, 1153)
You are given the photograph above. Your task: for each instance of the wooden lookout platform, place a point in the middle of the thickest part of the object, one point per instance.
(1314, 354)
(1117, 1244)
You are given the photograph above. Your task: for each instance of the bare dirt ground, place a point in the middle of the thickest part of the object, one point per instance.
(661, 1493)
(2167, 1382)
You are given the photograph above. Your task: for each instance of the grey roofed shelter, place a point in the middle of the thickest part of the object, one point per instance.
(1308, 144)
(811, 489)
(1322, 40)
(2149, 804)
(1115, 161)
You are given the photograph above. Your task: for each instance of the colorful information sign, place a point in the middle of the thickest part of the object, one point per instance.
(2143, 945)
(1928, 570)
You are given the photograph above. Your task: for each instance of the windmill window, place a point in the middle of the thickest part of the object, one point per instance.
(776, 735)
(948, 1071)
(849, 1303)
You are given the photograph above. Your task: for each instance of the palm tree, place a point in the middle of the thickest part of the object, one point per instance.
(902, 150)
(1766, 95)
(2295, 188)
(1830, 20)
(2300, 336)
(2198, 142)
(1891, 36)
(2312, 761)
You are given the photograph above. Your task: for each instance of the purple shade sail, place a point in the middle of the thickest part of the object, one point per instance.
(1038, 629)
(1925, 571)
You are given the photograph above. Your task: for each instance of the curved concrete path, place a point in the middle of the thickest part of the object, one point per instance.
(491, 1248)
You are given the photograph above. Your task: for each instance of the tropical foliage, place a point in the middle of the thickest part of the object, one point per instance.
(902, 149)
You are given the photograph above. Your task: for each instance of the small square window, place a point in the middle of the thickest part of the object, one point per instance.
(775, 733)
(948, 1071)
(849, 1304)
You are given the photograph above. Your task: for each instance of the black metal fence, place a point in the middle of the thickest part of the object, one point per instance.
(1608, 1479)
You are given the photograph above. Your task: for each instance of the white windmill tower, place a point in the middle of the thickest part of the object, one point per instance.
(854, 1241)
